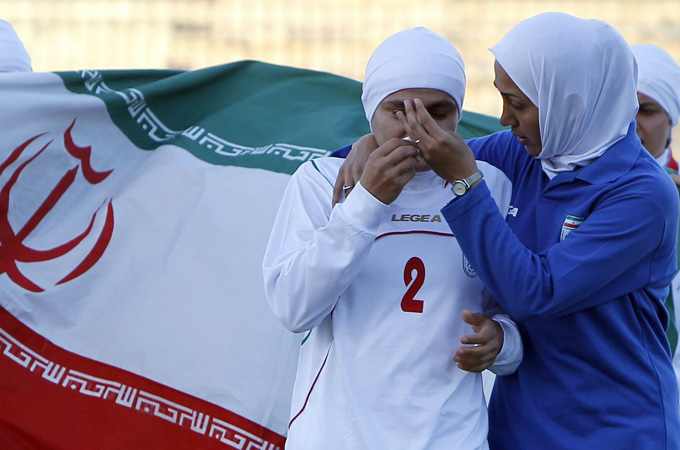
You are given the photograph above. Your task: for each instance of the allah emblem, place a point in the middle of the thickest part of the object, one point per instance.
(13, 250)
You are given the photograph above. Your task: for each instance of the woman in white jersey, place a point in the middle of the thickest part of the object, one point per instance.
(374, 283)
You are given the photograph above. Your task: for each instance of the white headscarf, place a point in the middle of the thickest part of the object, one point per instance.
(582, 76)
(659, 78)
(13, 54)
(413, 58)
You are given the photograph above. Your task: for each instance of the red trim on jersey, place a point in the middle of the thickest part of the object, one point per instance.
(672, 164)
(311, 388)
(54, 399)
(394, 233)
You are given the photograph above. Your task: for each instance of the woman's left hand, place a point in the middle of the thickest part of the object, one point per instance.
(479, 351)
(444, 151)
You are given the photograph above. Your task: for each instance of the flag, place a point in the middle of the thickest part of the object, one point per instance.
(135, 207)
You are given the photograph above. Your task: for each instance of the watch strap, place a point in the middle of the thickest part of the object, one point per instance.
(467, 183)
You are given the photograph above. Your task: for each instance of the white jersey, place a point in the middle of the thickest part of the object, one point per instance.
(382, 289)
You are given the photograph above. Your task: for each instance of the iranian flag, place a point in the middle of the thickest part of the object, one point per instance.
(134, 211)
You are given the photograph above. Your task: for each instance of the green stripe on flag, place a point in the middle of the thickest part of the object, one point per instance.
(248, 113)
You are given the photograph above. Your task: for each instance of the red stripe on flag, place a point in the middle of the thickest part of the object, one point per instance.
(54, 399)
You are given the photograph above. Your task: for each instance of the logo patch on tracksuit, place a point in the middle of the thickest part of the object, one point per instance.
(468, 269)
(570, 224)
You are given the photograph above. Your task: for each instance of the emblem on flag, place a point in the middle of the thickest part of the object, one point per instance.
(570, 224)
(12, 242)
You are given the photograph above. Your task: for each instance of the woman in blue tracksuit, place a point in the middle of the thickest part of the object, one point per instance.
(585, 258)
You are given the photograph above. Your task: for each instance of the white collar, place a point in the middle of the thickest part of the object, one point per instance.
(664, 158)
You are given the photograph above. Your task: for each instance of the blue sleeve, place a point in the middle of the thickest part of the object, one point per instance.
(342, 152)
(502, 151)
(595, 264)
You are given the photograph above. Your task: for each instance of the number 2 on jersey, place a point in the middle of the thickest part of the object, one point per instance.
(409, 303)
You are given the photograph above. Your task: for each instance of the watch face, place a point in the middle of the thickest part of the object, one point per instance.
(459, 188)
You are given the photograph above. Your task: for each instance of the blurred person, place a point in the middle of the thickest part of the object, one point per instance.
(659, 98)
(13, 54)
(380, 284)
(584, 261)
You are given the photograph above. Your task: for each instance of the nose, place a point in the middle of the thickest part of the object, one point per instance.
(508, 119)
(401, 132)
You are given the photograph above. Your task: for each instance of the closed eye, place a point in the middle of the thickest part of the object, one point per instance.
(648, 110)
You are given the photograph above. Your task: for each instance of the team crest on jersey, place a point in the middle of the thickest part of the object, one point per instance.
(570, 224)
(468, 269)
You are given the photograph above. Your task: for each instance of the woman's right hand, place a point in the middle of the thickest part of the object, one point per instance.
(353, 167)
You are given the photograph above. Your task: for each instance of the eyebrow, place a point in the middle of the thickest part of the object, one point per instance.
(442, 104)
(438, 104)
(507, 94)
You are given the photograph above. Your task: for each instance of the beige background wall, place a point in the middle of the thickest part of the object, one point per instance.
(332, 35)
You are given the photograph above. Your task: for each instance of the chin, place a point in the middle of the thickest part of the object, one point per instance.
(533, 150)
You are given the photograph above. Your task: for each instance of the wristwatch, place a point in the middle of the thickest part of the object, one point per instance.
(460, 187)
